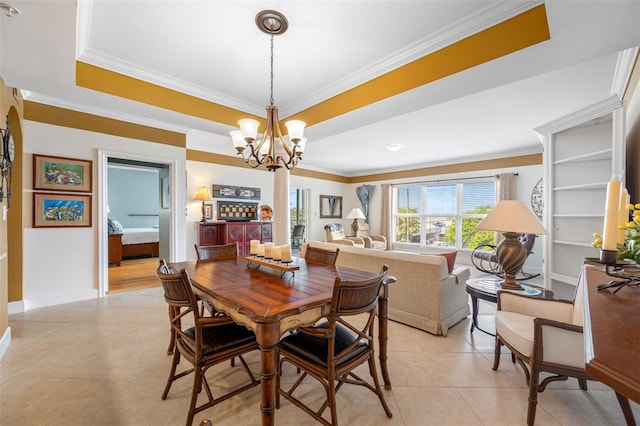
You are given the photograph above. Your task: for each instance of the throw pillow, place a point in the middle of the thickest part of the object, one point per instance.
(116, 226)
(451, 259)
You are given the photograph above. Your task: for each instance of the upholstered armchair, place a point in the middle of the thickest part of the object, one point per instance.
(371, 241)
(335, 234)
(544, 335)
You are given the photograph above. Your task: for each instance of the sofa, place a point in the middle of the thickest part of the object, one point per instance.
(425, 296)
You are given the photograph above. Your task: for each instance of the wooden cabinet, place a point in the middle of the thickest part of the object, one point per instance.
(212, 233)
(115, 249)
(580, 154)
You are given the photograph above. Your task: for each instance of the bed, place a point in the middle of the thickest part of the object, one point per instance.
(138, 242)
(132, 242)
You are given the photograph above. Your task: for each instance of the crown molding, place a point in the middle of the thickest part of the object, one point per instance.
(106, 113)
(624, 67)
(578, 117)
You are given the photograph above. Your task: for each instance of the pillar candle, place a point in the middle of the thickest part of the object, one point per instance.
(286, 253)
(610, 234)
(268, 250)
(277, 252)
(260, 250)
(253, 249)
(623, 216)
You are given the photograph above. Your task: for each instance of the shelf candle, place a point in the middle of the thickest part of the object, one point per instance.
(610, 234)
(276, 252)
(268, 250)
(260, 250)
(623, 216)
(253, 249)
(286, 253)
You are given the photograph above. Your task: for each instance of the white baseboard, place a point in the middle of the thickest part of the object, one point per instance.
(64, 298)
(16, 307)
(4, 342)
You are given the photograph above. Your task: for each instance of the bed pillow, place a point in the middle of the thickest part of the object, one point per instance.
(451, 259)
(110, 226)
(116, 226)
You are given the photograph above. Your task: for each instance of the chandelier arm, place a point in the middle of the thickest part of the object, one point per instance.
(253, 156)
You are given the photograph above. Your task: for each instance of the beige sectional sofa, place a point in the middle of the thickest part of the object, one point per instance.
(425, 296)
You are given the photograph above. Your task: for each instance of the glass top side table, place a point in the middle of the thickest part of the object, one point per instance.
(487, 289)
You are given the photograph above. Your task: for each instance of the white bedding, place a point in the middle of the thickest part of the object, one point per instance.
(139, 236)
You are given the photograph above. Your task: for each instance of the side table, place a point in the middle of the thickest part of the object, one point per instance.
(487, 289)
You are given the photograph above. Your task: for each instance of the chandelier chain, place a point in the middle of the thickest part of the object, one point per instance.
(271, 97)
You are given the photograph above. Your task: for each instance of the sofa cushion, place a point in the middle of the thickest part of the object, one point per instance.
(451, 259)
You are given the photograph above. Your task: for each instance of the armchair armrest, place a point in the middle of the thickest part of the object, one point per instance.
(561, 343)
(553, 309)
(379, 238)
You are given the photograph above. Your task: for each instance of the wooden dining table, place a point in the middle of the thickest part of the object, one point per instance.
(273, 299)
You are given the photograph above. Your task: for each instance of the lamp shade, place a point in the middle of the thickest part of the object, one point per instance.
(203, 194)
(512, 216)
(356, 213)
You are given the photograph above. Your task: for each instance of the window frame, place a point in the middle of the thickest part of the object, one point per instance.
(423, 216)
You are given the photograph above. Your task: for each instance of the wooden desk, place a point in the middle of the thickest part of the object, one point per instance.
(612, 337)
(271, 304)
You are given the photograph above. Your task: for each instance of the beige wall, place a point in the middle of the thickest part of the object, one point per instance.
(10, 234)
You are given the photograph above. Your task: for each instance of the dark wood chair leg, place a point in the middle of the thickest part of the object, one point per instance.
(533, 396)
(496, 354)
(626, 410)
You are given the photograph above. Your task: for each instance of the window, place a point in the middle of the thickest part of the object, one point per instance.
(443, 214)
(297, 207)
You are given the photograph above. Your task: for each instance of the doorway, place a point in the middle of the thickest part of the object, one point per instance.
(138, 210)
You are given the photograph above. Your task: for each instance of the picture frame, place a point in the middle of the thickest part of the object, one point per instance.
(56, 210)
(236, 192)
(165, 193)
(330, 207)
(208, 211)
(61, 173)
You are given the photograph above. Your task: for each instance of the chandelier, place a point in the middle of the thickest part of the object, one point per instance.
(272, 150)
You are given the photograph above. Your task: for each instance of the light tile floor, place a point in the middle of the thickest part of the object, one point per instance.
(104, 362)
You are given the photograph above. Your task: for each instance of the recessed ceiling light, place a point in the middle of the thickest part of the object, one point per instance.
(394, 147)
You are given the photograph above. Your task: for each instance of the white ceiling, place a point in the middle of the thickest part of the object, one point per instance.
(213, 50)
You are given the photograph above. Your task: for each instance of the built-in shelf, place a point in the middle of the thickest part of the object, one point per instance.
(572, 243)
(594, 185)
(604, 154)
(580, 215)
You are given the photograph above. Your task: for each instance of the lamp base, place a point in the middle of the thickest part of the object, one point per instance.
(511, 254)
(509, 283)
(354, 228)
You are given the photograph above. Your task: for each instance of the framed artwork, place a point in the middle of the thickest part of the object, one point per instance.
(61, 174)
(241, 192)
(165, 193)
(51, 210)
(330, 207)
(208, 211)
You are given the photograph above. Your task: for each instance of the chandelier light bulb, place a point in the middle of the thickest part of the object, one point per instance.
(249, 128)
(295, 128)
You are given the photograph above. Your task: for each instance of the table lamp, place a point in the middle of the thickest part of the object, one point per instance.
(355, 214)
(512, 218)
(203, 195)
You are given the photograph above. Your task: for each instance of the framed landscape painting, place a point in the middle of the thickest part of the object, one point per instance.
(52, 210)
(61, 174)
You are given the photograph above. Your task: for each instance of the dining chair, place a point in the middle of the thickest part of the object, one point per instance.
(209, 341)
(222, 251)
(319, 255)
(330, 350)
